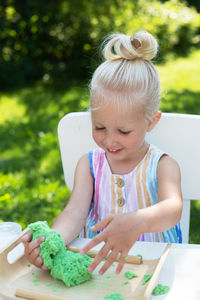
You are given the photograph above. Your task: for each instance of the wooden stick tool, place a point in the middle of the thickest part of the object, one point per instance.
(130, 259)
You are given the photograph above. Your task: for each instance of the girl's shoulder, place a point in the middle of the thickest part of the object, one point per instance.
(82, 173)
(166, 165)
(83, 162)
(153, 155)
(163, 157)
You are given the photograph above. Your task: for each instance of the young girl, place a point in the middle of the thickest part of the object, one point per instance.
(127, 190)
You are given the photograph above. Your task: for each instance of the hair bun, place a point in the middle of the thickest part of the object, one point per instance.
(120, 46)
(145, 45)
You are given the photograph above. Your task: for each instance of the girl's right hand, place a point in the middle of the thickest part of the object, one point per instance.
(32, 250)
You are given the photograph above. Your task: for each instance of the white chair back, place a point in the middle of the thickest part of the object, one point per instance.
(176, 134)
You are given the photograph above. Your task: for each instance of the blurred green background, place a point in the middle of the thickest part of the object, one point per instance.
(48, 51)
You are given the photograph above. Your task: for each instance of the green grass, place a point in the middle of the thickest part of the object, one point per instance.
(180, 84)
(31, 177)
(195, 222)
(182, 74)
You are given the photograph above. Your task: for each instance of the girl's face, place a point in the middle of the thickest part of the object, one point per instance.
(120, 133)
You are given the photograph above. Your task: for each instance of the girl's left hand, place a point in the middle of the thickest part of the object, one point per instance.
(120, 233)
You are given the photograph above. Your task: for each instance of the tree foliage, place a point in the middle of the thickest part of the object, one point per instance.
(58, 39)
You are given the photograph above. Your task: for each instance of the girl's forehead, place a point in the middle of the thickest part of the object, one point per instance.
(117, 113)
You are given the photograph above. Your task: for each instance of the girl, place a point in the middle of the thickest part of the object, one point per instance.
(127, 190)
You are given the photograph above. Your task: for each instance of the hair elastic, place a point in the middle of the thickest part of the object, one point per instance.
(136, 43)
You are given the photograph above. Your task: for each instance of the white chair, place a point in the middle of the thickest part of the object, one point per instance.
(177, 134)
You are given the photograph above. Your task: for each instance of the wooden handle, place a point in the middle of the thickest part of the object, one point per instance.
(130, 259)
(14, 242)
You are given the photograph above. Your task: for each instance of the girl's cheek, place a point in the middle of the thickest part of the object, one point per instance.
(97, 137)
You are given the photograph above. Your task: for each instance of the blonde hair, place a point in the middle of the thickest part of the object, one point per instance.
(127, 76)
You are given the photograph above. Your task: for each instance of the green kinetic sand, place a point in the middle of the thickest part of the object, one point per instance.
(114, 296)
(70, 267)
(130, 274)
(160, 290)
(124, 283)
(147, 277)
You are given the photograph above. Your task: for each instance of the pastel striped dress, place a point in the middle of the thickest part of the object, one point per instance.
(116, 194)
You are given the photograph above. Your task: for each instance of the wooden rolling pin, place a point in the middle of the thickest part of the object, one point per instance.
(130, 259)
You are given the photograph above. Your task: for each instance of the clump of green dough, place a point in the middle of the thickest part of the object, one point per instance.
(130, 274)
(72, 268)
(114, 296)
(52, 245)
(124, 283)
(160, 290)
(147, 277)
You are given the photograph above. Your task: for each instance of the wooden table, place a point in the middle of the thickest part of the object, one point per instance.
(180, 270)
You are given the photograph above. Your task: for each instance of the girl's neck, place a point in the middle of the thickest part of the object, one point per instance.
(126, 166)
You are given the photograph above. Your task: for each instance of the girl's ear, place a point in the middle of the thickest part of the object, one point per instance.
(155, 119)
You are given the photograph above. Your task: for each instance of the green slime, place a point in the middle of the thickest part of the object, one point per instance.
(70, 267)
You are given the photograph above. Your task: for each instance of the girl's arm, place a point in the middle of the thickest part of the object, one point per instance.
(71, 220)
(167, 212)
(122, 231)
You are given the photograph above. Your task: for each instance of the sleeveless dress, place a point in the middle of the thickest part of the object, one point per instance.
(115, 194)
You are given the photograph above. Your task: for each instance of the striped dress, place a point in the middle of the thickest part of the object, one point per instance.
(116, 194)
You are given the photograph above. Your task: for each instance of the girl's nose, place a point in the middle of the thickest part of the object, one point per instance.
(109, 141)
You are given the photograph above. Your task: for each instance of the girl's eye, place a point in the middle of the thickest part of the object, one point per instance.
(99, 128)
(124, 132)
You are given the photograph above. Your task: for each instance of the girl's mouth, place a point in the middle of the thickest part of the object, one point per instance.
(114, 151)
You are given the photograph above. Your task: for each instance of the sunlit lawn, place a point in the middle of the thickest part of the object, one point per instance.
(31, 179)
(180, 85)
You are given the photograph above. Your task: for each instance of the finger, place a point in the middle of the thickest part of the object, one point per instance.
(33, 257)
(35, 254)
(95, 241)
(122, 261)
(109, 261)
(32, 245)
(44, 268)
(99, 257)
(102, 224)
(26, 238)
(38, 262)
